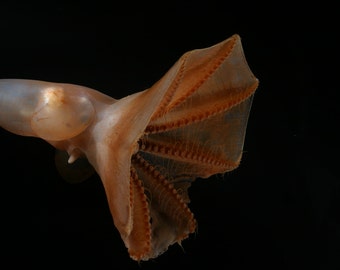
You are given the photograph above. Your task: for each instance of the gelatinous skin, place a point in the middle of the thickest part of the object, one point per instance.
(47, 110)
(150, 146)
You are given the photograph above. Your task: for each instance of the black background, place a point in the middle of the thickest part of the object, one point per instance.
(278, 210)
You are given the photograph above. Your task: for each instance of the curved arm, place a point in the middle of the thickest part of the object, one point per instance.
(50, 111)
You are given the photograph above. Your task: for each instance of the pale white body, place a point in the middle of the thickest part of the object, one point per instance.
(48, 110)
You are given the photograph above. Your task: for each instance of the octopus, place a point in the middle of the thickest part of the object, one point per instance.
(148, 147)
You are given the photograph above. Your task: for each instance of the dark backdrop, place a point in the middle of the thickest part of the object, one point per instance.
(278, 210)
